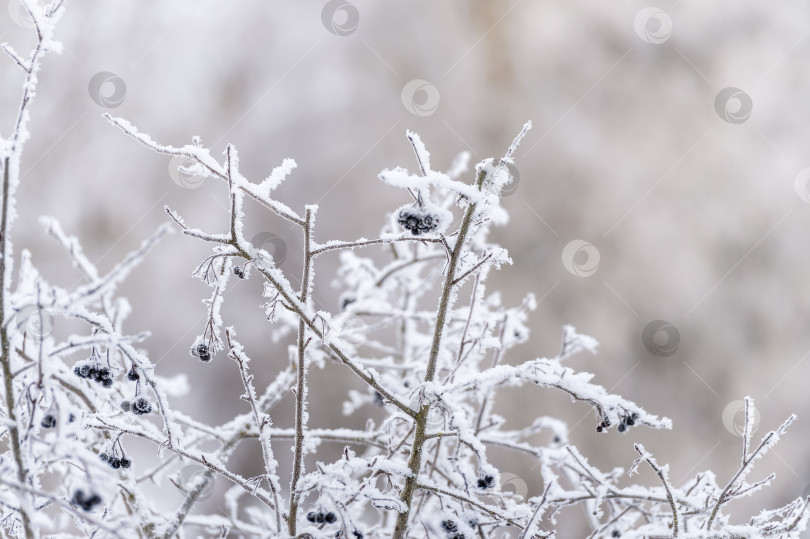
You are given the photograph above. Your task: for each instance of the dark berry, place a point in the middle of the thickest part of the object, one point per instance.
(48, 421)
(417, 220)
(239, 271)
(141, 406)
(330, 518)
(357, 534)
(125, 462)
(115, 463)
(449, 526)
(319, 518)
(622, 427)
(486, 482)
(378, 399)
(104, 457)
(82, 370)
(133, 375)
(311, 516)
(85, 502)
(630, 421)
(71, 418)
(106, 382)
(201, 351)
(556, 439)
(458, 535)
(126, 405)
(599, 428)
(616, 533)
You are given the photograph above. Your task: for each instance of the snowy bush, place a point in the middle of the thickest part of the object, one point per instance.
(432, 364)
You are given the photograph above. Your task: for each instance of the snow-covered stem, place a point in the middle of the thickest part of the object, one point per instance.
(301, 382)
(11, 170)
(415, 459)
(662, 474)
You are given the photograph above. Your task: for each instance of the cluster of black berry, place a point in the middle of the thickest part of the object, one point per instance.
(94, 371)
(627, 421)
(115, 462)
(321, 518)
(201, 351)
(48, 421)
(486, 482)
(239, 271)
(139, 406)
(451, 528)
(86, 502)
(417, 220)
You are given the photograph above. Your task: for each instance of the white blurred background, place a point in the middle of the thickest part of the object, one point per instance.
(695, 203)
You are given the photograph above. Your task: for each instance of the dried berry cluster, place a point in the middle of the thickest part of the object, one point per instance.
(418, 220)
(94, 371)
(201, 351)
(486, 482)
(239, 271)
(451, 527)
(321, 518)
(627, 421)
(139, 406)
(85, 501)
(115, 462)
